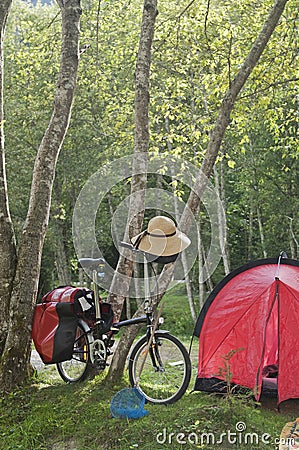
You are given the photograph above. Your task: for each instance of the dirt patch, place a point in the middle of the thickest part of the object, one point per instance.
(69, 445)
(287, 407)
(290, 406)
(36, 361)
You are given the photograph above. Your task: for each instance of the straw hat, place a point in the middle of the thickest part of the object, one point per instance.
(161, 238)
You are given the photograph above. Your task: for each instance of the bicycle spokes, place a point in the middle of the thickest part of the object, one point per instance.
(166, 374)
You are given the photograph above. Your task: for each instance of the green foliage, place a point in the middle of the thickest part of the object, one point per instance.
(31, 65)
(176, 313)
(197, 52)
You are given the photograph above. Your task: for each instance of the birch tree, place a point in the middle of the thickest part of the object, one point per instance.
(7, 239)
(139, 177)
(22, 288)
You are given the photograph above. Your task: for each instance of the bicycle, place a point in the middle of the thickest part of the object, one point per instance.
(167, 370)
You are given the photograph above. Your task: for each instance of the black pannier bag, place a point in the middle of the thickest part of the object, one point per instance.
(107, 316)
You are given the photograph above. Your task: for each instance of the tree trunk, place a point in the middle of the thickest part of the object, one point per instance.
(7, 238)
(201, 285)
(223, 202)
(293, 240)
(64, 273)
(138, 185)
(189, 288)
(250, 233)
(256, 197)
(14, 367)
(139, 294)
(207, 273)
(261, 230)
(222, 222)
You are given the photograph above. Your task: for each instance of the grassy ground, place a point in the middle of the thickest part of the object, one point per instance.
(51, 415)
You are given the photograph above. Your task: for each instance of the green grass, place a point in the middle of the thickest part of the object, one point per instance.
(176, 312)
(52, 415)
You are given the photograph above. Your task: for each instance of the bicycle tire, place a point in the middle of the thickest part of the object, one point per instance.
(79, 367)
(168, 383)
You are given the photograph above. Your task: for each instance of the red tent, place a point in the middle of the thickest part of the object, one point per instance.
(251, 321)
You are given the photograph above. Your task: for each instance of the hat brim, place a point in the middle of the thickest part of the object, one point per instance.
(161, 259)
(162, 245)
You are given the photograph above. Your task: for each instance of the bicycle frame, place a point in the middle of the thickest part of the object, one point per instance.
(95, 333)
(166, 374)
(147, 318)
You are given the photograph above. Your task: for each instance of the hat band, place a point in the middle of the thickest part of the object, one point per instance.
(161, 235)
(145, 232)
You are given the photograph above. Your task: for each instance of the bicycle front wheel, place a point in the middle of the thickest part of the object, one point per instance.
(167, 370)
(79, 367)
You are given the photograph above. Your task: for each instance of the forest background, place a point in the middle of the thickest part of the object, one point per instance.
(198, 47)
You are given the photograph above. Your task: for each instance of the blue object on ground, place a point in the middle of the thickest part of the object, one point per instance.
(128, 404)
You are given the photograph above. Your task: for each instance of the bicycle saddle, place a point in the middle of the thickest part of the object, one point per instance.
(90, 263)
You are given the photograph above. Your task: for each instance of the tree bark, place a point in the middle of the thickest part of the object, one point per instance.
(257, 201)
(7, 237)
(139, 179)
(201, 285)
(293, 240)
(250, 233)
(221, 220)
(261, 230)
(14, 366)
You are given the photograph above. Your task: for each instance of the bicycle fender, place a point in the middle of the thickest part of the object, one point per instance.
(87, 330)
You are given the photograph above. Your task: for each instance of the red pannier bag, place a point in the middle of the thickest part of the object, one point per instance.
(54, 331)
(55, 321)
(83, 301)
(81, 298)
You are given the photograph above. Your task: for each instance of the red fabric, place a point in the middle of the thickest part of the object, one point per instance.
(254, 318)
(63, 294)
(45, 323)
(288, 385)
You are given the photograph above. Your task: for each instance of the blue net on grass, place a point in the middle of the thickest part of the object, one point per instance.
(128, 403)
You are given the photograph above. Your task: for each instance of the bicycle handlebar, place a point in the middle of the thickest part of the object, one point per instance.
(129, 246)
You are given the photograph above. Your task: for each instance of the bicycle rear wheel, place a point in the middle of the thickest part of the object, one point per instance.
(167, 370)
(79, 367)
